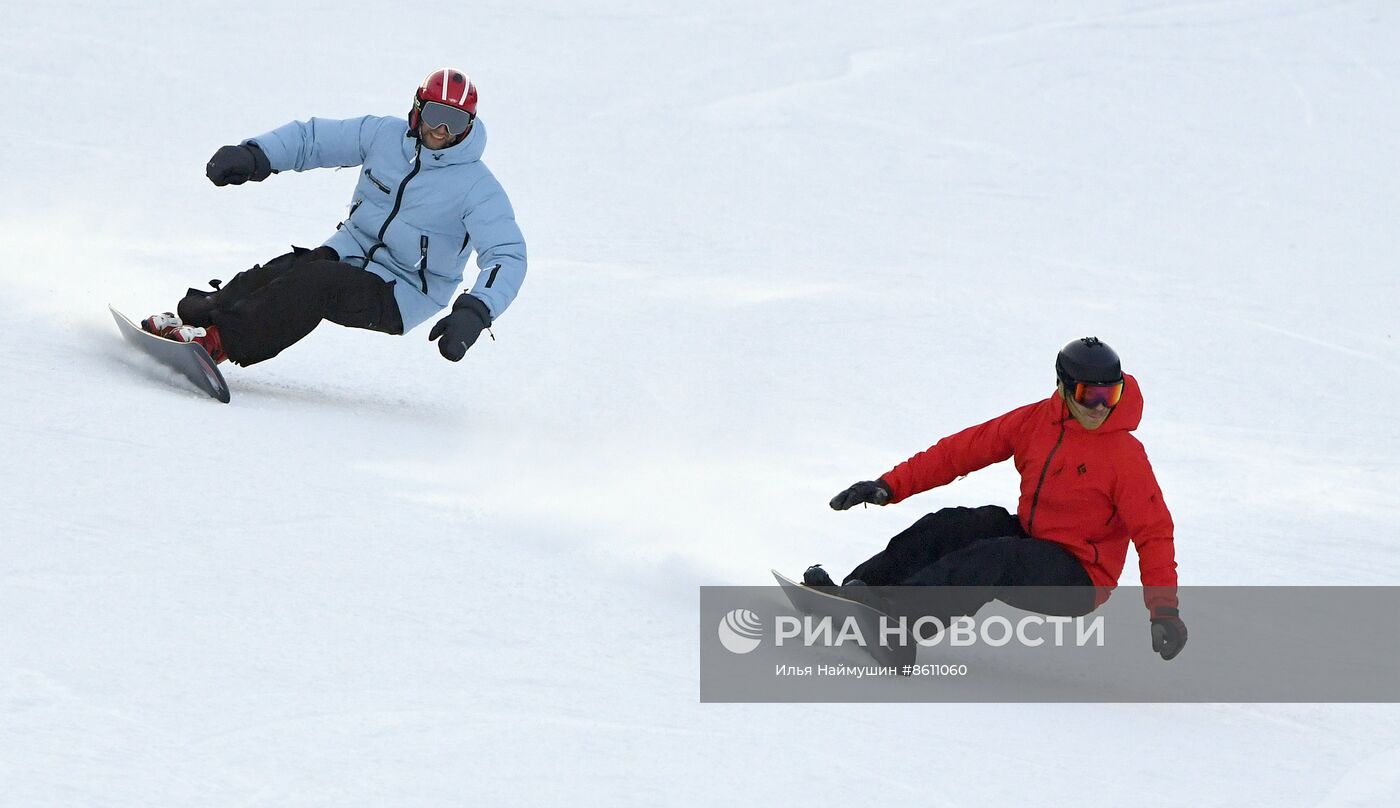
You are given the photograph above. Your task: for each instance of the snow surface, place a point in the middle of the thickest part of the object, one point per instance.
(775, 248)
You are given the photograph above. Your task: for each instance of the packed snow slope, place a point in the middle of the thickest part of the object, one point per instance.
(774, 249)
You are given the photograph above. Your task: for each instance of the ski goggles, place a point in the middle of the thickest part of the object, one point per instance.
(435, 115)
(1092, 395)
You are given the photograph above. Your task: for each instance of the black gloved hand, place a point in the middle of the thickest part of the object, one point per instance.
(1168, 632)
(873, 491)
(235, 165)
(460, 329)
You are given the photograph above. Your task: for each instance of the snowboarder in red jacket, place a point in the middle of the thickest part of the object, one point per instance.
(1087, 489)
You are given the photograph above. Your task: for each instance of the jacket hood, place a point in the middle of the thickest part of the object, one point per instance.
(1126, 416)
(468, 151)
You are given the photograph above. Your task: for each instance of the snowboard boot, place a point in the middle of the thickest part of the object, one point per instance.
(161, 324)
(207, 338)
(816, 576)
(818, 579)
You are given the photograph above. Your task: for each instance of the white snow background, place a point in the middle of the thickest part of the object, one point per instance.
(774, 249)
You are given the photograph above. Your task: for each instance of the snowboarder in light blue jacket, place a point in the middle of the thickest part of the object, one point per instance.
(423, 203)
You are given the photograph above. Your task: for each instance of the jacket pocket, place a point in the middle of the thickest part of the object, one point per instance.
(369, 175)
(423, 261)
(353, 208)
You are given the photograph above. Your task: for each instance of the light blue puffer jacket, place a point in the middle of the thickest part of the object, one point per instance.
(416, 214)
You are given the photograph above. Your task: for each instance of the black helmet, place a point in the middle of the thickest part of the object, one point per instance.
(1088, 361)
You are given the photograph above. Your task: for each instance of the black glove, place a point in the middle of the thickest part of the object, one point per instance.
(460, 329)
(1168, 632)
(872, 491)
(235, 165)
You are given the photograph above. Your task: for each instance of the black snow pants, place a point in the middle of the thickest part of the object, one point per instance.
(263, 310)
(962, 558)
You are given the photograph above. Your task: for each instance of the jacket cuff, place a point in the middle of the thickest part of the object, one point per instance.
(262, 166)
(475, 304)
(1159, 597)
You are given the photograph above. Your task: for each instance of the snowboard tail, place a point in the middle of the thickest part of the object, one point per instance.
(189, 359)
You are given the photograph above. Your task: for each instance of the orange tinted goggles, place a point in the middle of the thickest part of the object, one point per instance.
(1092, 395)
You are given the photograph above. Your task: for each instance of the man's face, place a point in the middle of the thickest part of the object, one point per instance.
(1088, 417)
(434, 139)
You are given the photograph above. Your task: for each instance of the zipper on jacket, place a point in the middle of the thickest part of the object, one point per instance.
(398, 199)
(381, 186)
(1035, 500)
(492, 278)
(1107, 522)
(398, 203)
(423, 261)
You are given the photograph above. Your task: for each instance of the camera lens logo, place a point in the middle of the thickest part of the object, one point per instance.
(740, 631)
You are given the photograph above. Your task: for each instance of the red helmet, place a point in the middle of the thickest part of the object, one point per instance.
(451, 93)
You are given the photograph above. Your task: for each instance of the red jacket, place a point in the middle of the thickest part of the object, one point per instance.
(1089, 490)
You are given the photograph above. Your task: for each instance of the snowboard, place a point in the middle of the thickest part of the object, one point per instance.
(189, 359)
(813, 601)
